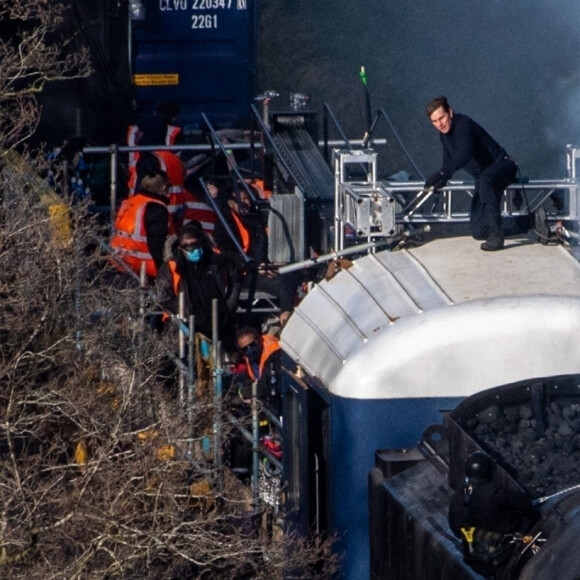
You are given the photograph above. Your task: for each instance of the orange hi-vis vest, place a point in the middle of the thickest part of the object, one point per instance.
(173, 166)
(175, 276)
(246, 240)
(175, 280)
(196, 210)
(270, 344)
(171, 134)
(175, 170)
(129, 240)
(170, 162)
(259, 185)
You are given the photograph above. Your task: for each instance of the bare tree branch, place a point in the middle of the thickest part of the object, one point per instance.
(34, 51)
(103, 473)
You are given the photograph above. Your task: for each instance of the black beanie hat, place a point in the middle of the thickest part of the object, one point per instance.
(192, 229)
(148, 165)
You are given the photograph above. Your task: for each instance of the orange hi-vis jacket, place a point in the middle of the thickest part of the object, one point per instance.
(270, 344)
(259, 186)
(129, 239)
(170, 162)
(175, 281)
(183, 203)
(197, 210)
(173, 166)
(243, 232)
(175, 276)
(171, 134)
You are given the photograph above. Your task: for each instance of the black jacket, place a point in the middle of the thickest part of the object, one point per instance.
(254, 224)
(156, 225)
(202, 282)
(468, 146)
(491, 507)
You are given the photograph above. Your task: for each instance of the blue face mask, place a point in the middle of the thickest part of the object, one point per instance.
(193, 255)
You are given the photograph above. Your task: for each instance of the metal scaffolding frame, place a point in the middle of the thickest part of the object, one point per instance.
(368, 208)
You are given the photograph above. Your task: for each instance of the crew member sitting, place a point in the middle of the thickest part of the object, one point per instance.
(246, 225)
(486, 515)
(262, 356)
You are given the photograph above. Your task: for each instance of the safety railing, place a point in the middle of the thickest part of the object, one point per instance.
(192, 348)
(452, 203)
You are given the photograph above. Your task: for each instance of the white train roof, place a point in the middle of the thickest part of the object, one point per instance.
(441, 320)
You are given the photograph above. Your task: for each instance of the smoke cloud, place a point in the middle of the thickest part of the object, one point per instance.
(512, 65)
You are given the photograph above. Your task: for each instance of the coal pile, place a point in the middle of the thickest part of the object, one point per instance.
(538, 444)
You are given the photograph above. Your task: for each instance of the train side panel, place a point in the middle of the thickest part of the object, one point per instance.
(199, 54)
(330, 449)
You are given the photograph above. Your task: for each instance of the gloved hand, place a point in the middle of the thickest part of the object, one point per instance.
(435, 181)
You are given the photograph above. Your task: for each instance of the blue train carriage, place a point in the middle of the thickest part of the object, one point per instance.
(199, 54)
(391, 344)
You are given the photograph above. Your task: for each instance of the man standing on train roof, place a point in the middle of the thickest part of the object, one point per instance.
(468, 146)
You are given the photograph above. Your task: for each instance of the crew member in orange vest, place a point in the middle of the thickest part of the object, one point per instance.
(262, 355)
(183, 206)
(247, 224)
(261, 361)
(142, 221)
(196, 209)
(168, 113)
(175, 170)
(160, 130)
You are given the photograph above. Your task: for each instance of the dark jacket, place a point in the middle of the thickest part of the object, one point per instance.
(266, 371)
(156, 226)
(243, 226)
(468, 146)
(492, 507)
(202, 282)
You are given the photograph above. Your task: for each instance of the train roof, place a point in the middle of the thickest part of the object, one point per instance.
(442, 319)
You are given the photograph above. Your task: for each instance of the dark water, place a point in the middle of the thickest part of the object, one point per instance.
(513, 65)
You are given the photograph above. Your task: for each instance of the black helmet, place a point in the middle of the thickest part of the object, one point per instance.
(479, 465)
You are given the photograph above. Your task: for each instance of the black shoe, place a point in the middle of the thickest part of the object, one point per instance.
(541, 226)
(492, 244)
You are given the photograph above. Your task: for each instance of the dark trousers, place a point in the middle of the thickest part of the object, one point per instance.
(485, 215)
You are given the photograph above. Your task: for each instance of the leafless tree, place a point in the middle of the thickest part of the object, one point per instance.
(33, 51)
(104, 473)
